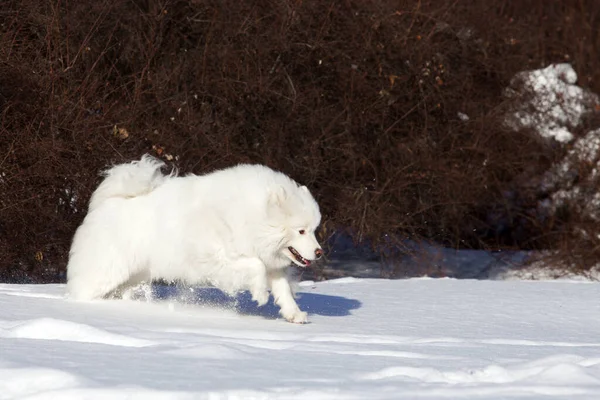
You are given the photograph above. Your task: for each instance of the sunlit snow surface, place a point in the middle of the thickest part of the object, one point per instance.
(368, 339)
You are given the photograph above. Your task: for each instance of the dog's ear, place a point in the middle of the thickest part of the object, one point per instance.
(277, 196)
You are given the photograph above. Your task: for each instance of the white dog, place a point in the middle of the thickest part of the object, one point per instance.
(237, 229)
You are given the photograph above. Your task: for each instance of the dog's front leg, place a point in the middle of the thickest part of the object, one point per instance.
(248, 273)
(284, 298)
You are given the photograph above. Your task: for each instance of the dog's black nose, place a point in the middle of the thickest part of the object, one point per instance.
(318, 253)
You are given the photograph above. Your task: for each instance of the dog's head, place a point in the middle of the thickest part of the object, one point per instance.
(294, 211)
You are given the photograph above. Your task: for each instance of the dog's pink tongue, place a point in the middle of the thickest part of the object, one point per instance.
(307, 263)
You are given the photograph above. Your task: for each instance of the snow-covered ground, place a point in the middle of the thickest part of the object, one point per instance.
(368, 339)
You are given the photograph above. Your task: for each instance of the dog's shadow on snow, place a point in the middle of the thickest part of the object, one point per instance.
(313, 303)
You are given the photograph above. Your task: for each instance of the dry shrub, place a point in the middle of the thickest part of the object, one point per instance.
(364, 101)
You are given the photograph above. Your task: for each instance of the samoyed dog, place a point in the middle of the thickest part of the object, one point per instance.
(237, 229)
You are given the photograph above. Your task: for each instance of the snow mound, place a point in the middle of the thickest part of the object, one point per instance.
(552, 371)
(54, 329)
(118, 393)
(21, 382)
(569, 184)
(550, 102)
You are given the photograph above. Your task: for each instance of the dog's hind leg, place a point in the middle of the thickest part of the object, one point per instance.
(92, 286)
(284, 297)
(139, 285)
(96, 268)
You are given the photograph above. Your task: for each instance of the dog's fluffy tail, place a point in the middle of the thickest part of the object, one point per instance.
(129, 180)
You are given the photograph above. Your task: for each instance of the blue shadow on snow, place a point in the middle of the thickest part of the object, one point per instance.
(313, 303)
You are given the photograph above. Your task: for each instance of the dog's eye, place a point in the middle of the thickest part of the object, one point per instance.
(301, 231)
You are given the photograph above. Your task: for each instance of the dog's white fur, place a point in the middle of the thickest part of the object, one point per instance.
(230, 228)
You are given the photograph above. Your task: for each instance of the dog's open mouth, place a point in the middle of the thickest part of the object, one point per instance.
(298, 257)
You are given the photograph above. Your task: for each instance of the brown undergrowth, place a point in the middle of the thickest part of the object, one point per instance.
(391, 111)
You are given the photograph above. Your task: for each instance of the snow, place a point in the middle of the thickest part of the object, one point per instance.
(368, 338)
(550, 102)
(462, 116)
(568, 183)
(542, 270)
(583, 152)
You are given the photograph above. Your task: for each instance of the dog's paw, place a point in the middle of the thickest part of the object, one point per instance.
(298, 317)
(260, 297)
